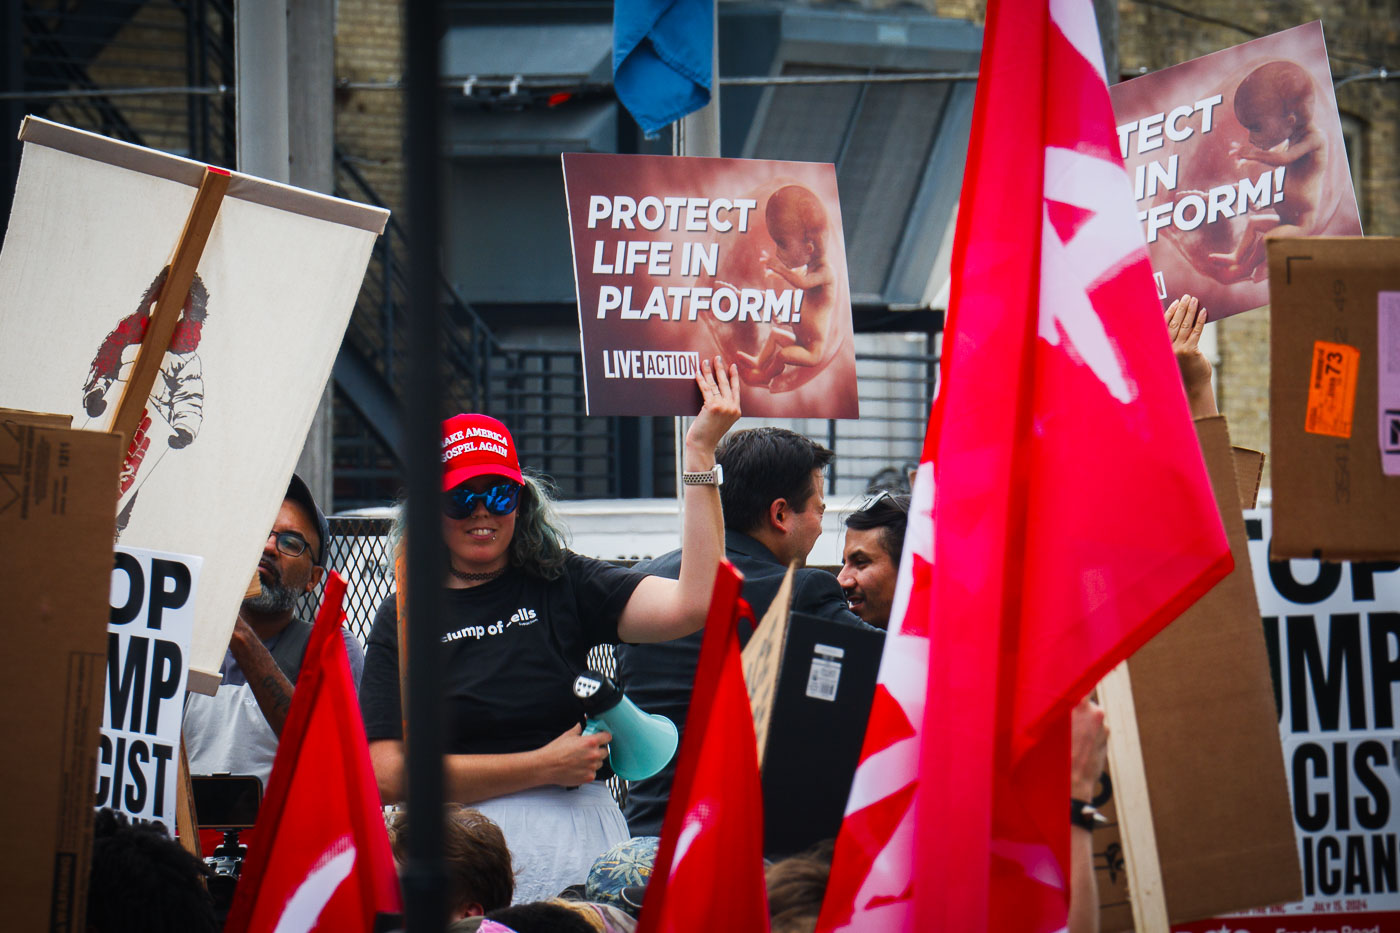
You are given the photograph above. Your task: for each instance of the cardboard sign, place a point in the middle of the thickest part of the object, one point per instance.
(1333, 633)
(676, 259)
(1328, 427)
(92, 227)
(57, 513)
(1227, 149)
(1210, 755)
(1388, 375)
(148, 643)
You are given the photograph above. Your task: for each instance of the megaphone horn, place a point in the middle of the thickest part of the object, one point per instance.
(642, 743)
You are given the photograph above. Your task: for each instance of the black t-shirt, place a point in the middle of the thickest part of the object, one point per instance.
(513, 647)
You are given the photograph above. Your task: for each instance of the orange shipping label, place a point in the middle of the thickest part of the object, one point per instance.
(1332, 389)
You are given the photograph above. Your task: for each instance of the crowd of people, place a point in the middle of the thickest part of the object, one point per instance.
(534, 839)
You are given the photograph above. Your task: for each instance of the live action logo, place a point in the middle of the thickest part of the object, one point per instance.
(650, 364)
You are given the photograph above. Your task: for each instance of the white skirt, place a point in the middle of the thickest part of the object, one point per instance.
(555, 834)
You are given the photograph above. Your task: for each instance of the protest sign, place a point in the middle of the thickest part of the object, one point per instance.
(56, 522)
(1227, 149)
(92, 227)
(1333, 636)
(148, 646)
(676, 259)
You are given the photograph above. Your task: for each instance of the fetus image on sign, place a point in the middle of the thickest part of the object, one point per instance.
(788, 255)
(1274, 106)
(175, 408)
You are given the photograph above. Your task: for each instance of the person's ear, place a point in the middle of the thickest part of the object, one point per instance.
(317, 572)
(779, 513)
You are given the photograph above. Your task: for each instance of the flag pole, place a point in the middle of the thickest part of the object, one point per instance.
(424, 876)
(696, 134)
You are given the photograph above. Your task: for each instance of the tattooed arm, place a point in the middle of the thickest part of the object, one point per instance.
(270, 686)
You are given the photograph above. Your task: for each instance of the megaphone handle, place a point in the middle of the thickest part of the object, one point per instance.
(592, 726)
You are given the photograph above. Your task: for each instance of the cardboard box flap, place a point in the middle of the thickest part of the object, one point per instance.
(1249, 472)
(1332, 499)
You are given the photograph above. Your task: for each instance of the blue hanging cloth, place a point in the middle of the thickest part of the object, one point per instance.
(662, 54)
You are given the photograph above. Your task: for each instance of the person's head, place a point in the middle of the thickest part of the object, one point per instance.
(494, 515)
(796, 888)
(620, 872)
(542, 917)
(797, 222)
(773, 489)
(1273, 101)
(870, 557)
(142, 880)
(480, 878)
(294, 555)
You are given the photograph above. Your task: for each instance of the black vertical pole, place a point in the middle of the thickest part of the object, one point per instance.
(12, 109)
(423, 876)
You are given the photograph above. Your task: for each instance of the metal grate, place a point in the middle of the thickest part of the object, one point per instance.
(162, 55)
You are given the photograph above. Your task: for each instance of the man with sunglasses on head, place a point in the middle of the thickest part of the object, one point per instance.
(870, 557)
(236, 730)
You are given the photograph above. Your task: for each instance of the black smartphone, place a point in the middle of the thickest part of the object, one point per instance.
(226, 801)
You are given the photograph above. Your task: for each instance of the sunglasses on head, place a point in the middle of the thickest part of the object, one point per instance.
(880, 495)
(500, 499)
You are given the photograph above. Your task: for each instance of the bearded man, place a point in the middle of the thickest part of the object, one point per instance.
(236, 730)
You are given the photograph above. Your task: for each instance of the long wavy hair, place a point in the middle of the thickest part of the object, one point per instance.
(540, 540)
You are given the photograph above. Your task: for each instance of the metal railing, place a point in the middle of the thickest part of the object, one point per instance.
(74, 51)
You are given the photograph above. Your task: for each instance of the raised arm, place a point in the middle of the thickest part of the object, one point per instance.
(660, 609)
(1186, 320)
(270, 686)
(1088, 751)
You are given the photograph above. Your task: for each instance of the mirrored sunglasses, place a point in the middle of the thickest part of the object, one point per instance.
(500, 499)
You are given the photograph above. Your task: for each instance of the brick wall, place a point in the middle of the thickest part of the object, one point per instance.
(369, 123)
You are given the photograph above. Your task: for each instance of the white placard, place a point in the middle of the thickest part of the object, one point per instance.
(148, 646)
(94, 223)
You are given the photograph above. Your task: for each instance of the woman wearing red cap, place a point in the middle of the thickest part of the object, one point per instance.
(523, 612)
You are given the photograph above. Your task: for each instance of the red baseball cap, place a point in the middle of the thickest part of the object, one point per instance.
(477, 445)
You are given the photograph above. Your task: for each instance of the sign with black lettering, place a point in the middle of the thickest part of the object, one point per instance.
(148, 644)
(1333, 636)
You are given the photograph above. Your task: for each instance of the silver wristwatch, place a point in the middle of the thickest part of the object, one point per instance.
(712, 477)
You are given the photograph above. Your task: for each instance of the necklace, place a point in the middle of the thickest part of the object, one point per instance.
(475, 577)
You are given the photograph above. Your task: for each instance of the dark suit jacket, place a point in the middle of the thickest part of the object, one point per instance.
(658, 677)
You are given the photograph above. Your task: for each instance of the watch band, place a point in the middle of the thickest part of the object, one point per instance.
(1083, 815)
(711, 477)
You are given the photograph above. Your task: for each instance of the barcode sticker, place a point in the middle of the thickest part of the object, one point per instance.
(823, 678)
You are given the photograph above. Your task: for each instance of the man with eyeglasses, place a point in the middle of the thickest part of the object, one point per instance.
(236, 730)
(870, 556)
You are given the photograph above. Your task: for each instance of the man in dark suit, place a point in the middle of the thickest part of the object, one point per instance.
(773, 505)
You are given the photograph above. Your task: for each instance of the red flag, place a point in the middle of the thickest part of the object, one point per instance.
(323, 860)
(709, 868)
(1073, 514)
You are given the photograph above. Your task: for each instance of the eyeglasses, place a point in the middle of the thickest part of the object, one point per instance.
(290, 543)
(880, 495)
(501, 499)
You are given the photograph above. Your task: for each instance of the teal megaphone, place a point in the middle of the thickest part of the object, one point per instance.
(642, 743)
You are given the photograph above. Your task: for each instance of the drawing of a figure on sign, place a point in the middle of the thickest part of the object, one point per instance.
(175, 408)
